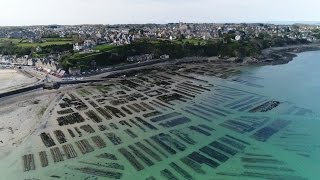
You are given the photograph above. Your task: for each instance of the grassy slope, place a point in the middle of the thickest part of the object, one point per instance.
(14, 41)
(44, 43)
(104, 47)
(49, 41)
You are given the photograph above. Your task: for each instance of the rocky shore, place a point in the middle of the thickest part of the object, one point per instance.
(280, 55)
(270, 56)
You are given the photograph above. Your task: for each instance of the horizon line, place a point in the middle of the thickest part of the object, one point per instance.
(147, 23)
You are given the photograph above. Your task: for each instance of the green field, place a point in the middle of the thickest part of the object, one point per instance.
(58, 39)
(104, 47)
(48, 43)
(14, 41)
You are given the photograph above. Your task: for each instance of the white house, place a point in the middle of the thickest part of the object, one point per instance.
(77, 47)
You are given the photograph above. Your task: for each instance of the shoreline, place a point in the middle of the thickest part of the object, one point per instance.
(270, 56)
(282, 55)
(217, 65)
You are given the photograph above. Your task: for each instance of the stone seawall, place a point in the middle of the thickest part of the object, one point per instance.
(22, 90)
(38, 86)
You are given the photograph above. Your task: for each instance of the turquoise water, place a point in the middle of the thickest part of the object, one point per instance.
(297, 82)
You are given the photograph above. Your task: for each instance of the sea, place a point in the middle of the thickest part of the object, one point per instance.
(297, 82)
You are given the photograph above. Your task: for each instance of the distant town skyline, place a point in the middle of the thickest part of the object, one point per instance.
(71, 12)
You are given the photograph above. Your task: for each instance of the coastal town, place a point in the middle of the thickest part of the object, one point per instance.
(50, 48)
(92, 35)
(190, 117)
(159, 90)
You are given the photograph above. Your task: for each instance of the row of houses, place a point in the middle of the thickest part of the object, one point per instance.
(86, 44)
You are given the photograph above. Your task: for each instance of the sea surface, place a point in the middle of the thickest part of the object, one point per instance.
(297, 82)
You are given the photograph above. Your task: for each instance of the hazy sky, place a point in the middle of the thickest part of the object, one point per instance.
(41, 12)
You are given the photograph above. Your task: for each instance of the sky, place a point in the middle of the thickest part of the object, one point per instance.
(44, 12)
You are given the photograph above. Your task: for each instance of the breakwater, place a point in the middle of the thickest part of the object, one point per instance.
(41, 85)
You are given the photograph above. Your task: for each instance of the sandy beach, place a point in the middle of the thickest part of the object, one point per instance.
(10, 79)
(18, 120)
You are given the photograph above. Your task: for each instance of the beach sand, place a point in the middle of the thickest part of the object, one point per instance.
(19, 119)
(11, 79)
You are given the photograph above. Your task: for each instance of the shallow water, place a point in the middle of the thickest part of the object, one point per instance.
(297, 82)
